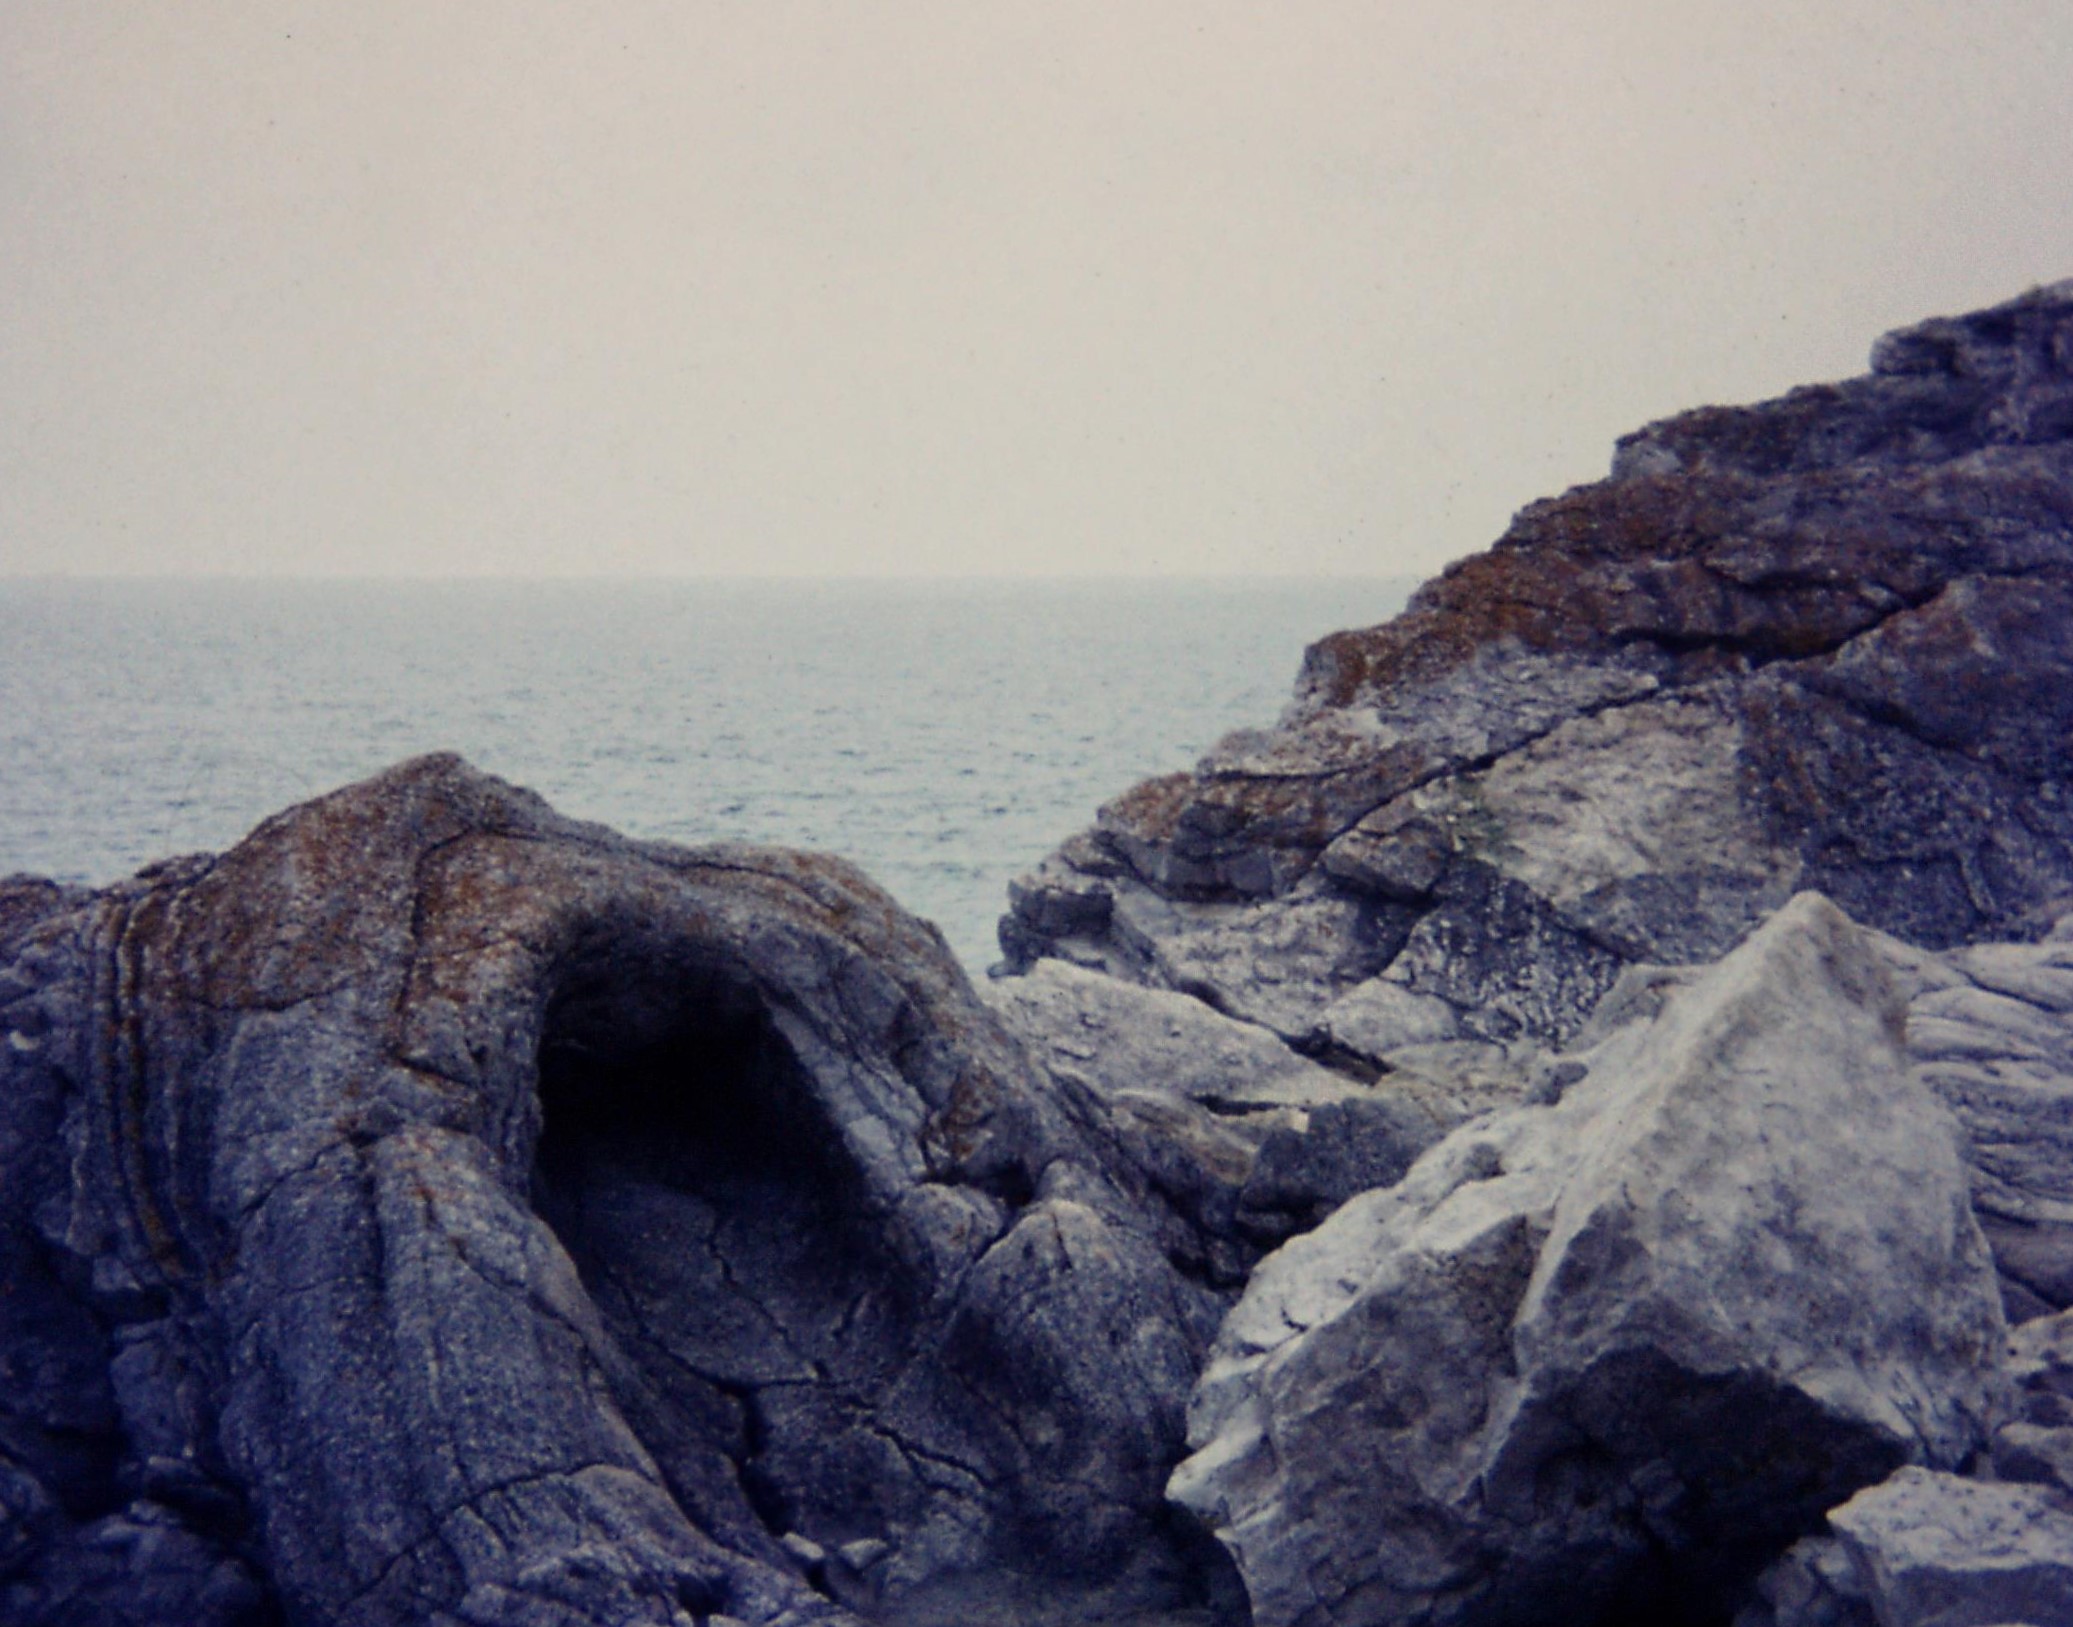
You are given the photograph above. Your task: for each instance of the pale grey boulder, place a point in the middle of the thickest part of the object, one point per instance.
(1611, 1355)
(1279, 964)
(1937, 1550)
(1381, 1019)
(1118, 1036)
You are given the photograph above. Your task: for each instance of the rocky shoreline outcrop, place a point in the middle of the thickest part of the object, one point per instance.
(1821, 643)
(1573, 1125)
(437, 1210)
(1817, 643)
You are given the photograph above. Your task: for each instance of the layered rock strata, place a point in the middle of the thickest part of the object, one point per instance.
(1990, 1028)
(1817, 643)
(437, 1211)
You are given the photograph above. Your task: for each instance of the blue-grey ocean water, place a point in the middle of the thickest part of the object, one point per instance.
(945, 735)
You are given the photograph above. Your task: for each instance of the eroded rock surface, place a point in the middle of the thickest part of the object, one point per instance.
(436, 1211)
(1928, 1549)
(1935, 1550)
(1817, 643)
(1990, 1027)
(1235, 1138)
(1601, 1360)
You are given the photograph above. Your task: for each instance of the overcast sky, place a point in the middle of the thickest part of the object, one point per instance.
(461, 287)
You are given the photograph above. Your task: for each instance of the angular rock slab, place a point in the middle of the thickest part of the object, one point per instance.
(461, 1214)
(1935, 1550)
(1991, 1029)
(1236, 1137)
(1598, 1360)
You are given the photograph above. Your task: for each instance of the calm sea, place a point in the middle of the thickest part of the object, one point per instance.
(945, 735)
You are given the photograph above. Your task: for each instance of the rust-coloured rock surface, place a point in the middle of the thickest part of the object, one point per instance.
(1822, 642)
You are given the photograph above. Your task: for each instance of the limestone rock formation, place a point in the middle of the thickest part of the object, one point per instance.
(1934, 1550)
(437, 1211)
(1817, 643)
(434, 1210)
(1241, 1141)
(1600, 1360)
(1990, 1027)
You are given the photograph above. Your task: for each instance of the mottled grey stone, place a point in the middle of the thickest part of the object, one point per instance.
(436, 1211)
(1242, 1138)
(1618, 1351)
(1990, 1028)
(1937, 1550)
(1380, 1018)
(2040, 1361)
(1818, 642)
(1119, 1036)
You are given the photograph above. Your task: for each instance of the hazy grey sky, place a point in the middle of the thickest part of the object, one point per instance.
(681, 286)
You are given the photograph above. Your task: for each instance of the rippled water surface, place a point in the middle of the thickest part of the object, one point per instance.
(944, 735)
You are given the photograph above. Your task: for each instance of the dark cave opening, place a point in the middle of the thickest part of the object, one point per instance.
(666, 1070)
(687, 1166)
(768, 1344)
(703, 1192)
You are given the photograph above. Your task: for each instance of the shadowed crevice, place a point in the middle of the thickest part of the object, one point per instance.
(693, 1174)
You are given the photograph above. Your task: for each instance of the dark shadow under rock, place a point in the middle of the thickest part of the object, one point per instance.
(682, 1164)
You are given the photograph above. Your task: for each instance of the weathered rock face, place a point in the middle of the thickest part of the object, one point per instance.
(1817, 643)
(1601, 1360)
(438, 1211)
(1934, 1550)
(434, 1210)
(1233, 1138)
(1990, 1029)
(1928, 1549)
(2036, 1446)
